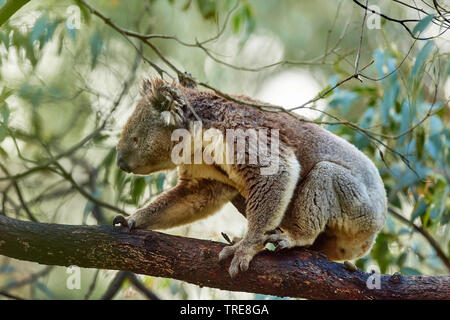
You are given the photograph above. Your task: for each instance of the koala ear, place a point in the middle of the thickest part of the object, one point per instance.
(146, 86)
(169, 100)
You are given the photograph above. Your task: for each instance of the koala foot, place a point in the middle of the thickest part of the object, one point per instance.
(242, 255)
(123, 222)
(280, 240)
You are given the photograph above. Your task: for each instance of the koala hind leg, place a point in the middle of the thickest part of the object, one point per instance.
(332, 207)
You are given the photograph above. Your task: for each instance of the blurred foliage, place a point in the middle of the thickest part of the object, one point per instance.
(59, 84)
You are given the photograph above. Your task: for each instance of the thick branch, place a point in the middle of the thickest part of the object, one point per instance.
(293, 273)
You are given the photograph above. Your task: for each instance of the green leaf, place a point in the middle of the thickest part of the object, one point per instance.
(420, 141)
(86, 14)
(402, 258)
(3, 153)
(3, 132)
(4, 38)
(5, 112)
(207, 8)
(237, 22)
(137, 189)
(423, 24)
(6, 92)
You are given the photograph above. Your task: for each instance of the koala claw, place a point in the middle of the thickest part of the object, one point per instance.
(241, 258)
(240, 262)
(122, 221)
(226, 252)
(119, 219)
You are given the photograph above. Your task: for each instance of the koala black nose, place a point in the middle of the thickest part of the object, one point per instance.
(121, 163)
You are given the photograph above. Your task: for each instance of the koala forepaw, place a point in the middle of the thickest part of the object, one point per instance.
(241, 258)
(123, 222)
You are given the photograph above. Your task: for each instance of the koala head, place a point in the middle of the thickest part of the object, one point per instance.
(145, 144)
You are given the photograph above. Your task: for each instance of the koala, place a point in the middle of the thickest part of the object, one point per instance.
(325, 193)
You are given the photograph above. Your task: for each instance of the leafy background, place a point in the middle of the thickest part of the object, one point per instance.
(59, 85)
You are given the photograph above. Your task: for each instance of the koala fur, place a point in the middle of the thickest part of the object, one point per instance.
(326, 193)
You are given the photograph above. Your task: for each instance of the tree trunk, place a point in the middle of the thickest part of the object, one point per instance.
(294, 273)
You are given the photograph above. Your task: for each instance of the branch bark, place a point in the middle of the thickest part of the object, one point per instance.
(294, 273)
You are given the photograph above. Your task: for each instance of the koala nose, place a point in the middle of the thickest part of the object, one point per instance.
(121, 163)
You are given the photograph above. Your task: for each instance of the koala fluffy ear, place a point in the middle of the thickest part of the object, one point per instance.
(146, 86)
(169, 100)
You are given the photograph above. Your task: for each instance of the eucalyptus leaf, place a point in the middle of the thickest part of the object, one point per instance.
(423, 24)
(96, 47)
(421, 58)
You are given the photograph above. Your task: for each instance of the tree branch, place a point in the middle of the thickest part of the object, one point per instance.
(294, 273)
(11, 7)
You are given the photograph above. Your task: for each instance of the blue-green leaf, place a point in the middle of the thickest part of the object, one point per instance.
(7, 268)
(90, 205)
(389, 99)
(421, 57)
(38, 28)
(72, 33)
(96, 47)
(419, 209)
(410, 271)
(42, 287)
(423, 24)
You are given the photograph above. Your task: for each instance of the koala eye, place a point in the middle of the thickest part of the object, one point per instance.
(135, 141)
